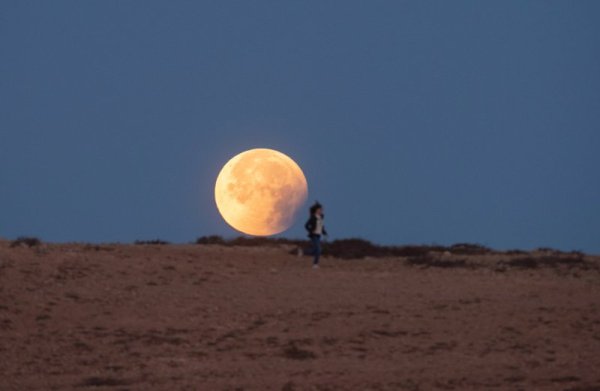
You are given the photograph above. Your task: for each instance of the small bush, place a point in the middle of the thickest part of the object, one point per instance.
(566, 261)
(213, 239)
(155, 241)
(515, 252)
(548, 250)
(26, 241)
(256, 241)
(468, 249)
(249, 241)
(523, 263)
(547, 261)
(353, 249)
(359, 248)
(356, 248)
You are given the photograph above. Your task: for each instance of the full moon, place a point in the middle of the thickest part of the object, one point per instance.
(259, 191)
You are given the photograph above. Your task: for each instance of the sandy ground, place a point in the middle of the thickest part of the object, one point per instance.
(191, 317)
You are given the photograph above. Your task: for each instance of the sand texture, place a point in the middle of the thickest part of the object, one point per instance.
(211, 317)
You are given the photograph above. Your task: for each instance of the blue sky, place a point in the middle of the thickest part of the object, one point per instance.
(414, 122)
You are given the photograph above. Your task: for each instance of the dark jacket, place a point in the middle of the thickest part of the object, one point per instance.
(311, 224)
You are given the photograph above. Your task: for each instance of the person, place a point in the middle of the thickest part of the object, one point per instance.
(316, 229)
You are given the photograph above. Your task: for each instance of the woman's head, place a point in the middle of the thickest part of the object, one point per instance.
(316, 208)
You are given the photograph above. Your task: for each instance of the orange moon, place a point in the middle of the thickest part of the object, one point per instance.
(259, 192)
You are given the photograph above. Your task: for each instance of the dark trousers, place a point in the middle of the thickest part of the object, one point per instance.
(315, 251)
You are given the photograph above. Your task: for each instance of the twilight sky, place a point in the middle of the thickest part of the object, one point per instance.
(414, 122)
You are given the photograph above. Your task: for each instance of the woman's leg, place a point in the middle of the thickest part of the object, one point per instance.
(316, 248)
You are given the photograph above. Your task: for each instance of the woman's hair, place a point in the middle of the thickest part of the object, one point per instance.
(315, 207)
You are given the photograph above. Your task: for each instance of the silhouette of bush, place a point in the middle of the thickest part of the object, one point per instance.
(547, 250)
(260, 241)
(356, 248)
(424, 255)
(547, 261)
(246, 241)
(155, 241)
(468, 249)
(524, 263)
(212, 239)
(353, 249)
(558, 261)
(515, 252)
(359, 248)
(25, 241)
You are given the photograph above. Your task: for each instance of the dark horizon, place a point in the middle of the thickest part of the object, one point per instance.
(252, 241)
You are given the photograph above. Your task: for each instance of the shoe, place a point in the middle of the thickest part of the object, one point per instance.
(315, 266)
(299, 252)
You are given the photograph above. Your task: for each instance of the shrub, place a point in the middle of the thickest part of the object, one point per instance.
(523, 263)
(213, 239)
(515, 252)
(27, 241)
(154, 241)
(549, 250)
(249, 241)
(352, 249)
(468, 249)
(359, 248)
(548, 261)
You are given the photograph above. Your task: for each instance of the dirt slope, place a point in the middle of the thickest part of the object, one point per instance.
(192, 317)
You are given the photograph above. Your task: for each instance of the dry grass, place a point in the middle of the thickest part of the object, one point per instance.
(429, 261)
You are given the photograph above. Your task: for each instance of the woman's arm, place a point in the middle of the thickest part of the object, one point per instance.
(310, 224)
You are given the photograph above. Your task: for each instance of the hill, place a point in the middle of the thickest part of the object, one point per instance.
(252, 316)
